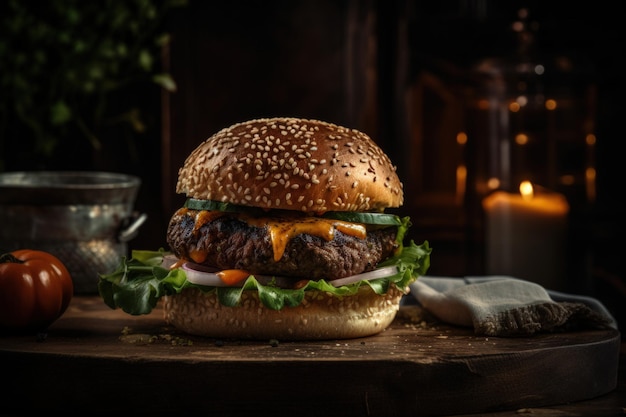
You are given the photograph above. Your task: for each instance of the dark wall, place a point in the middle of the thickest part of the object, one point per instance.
(242, 60)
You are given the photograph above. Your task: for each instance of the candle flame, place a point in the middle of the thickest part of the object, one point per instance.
(526, 190)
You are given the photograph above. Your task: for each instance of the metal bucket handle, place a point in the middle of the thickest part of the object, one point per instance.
(130, 226)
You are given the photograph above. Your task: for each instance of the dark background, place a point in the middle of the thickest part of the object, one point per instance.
(364, 64)
(356, 62)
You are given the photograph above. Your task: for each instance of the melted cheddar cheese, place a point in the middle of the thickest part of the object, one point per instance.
(203, 217)
(282, 230)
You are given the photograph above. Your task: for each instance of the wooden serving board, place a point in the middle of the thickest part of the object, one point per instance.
(96, 360)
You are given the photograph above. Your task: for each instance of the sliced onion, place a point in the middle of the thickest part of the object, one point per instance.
(169, 261)
(202, 275)
(366, 276)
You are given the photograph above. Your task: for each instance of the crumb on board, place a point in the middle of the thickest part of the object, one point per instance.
(146, 339)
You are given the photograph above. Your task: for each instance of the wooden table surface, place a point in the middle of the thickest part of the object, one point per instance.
(99, 361)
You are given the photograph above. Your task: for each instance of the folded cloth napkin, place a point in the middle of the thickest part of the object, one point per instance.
(507, 306)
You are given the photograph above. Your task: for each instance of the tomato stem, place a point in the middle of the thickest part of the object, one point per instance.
(8, 257)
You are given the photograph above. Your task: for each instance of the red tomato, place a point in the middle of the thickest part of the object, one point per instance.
(35, 289)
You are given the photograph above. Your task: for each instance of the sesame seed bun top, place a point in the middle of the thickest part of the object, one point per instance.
(293, 164)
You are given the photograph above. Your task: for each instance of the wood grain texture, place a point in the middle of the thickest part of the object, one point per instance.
(98, 361)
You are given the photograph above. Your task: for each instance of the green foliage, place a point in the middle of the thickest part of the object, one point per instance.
(61, 61)
(139, 282)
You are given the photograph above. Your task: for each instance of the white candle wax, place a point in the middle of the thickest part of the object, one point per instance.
(526, 237)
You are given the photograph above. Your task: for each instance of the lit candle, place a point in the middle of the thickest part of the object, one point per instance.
(526, 235)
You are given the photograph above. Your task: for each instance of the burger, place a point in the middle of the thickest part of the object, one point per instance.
(283, 235)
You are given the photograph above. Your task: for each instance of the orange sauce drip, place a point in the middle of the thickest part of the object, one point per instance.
(203, 217)
(181, 211)
(233, 276)
(281, 231)
(198, 256)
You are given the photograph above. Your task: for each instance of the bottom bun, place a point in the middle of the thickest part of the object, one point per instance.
(319, 316)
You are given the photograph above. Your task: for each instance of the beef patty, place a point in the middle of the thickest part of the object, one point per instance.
(229, 243)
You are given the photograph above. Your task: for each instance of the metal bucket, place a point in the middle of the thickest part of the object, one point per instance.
(83, 218)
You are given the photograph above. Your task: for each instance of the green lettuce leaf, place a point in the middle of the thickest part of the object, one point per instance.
(139, 282)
